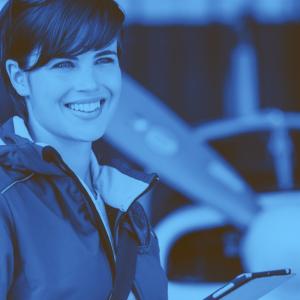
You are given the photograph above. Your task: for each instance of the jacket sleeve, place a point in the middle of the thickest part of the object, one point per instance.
(6, 248)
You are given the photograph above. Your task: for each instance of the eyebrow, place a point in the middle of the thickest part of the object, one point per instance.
(98, 54)
(106, 52)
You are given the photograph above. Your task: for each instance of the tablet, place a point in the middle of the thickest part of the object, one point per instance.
(251, 286)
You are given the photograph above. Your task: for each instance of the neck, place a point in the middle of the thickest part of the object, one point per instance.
(76, 154)
(77, 157)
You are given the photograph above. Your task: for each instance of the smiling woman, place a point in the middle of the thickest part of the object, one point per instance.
(70, 228)
(82, 92)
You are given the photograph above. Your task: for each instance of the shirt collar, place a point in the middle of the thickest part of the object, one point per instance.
(116, 188)
(21, 129)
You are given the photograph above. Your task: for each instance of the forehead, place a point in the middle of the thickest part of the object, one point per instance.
(109, 49)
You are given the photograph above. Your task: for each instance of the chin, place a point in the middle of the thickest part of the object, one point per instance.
(89, 137)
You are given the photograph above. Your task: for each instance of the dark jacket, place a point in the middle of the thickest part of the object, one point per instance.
(53, 245)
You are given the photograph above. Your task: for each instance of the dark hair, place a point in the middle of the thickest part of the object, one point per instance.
(55, 28)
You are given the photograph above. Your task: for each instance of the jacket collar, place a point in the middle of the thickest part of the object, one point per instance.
(117, 186)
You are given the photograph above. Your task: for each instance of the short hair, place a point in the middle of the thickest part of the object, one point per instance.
(56, 28)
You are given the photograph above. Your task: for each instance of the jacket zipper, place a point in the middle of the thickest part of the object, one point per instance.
(99, 221)
(135, 288)
(122, 214)
(136, 291)
(98, 218)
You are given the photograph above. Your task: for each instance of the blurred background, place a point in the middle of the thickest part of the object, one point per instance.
(211, 102)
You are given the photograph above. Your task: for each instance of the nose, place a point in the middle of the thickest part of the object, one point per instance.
(86, 80)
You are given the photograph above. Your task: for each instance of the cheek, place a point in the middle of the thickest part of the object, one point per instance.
(44, 91)
(119, 78)
(112, 79)
(116, 86)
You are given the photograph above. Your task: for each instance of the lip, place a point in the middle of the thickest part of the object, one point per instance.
(86, 115)
(86, 101)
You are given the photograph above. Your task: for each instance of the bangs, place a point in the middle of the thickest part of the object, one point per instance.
(70, 28)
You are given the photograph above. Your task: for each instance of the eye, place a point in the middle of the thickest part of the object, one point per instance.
(105, 60)
(63, 65)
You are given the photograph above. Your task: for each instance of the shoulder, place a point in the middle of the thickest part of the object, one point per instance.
(8, 178)
(5, 178)
(6, 128)
(6, 218)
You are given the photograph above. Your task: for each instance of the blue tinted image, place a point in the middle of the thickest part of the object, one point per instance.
(148, 149)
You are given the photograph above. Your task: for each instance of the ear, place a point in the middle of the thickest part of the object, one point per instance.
(18, 77)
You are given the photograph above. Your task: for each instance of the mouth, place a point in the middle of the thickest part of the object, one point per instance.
(86, 107)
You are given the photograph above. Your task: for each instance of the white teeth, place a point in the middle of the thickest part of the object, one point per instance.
(87, 107)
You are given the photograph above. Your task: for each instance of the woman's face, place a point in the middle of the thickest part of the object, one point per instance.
(74, 97)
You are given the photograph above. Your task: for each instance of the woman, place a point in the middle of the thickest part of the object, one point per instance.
(70, 228)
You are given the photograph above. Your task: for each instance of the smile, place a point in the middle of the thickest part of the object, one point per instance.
(87, 107)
